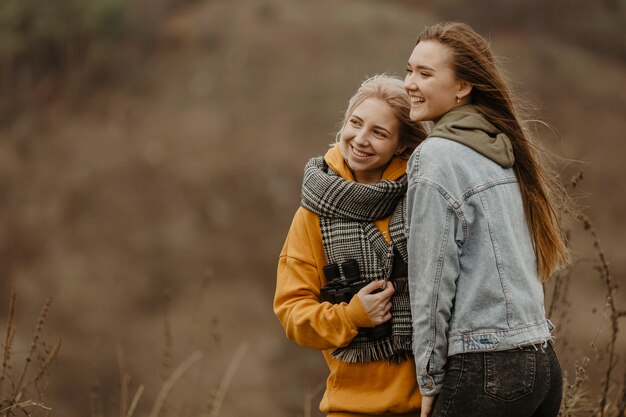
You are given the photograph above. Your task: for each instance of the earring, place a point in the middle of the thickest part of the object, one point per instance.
(458, 100)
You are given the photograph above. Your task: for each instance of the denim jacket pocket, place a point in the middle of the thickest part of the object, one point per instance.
(510, 374)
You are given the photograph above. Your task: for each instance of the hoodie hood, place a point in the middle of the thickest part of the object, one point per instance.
(334, 158)
(467, 126)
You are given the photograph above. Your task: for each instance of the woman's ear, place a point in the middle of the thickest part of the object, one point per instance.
(399, 150)
(465, 89)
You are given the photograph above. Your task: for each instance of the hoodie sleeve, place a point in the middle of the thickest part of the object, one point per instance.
(433, 272)
(306, 320)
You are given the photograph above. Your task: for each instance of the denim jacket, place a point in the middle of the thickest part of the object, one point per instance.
(473, 276)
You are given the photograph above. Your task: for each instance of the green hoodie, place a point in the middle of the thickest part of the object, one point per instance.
(466, 125)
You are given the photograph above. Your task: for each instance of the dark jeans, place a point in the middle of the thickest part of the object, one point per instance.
(522, 382)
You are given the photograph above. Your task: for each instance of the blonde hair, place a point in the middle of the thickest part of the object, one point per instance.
(474, 62)
(389, 89)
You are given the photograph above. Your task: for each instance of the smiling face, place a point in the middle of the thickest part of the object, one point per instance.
(369, 140)
(431, 82)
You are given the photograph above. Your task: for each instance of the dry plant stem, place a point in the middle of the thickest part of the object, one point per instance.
(8, 340)
(575, 398)
(197, 324)
(133, 404)
(36, 335)
(195, 335)
(621, 408)
(28, 403)
(166, 361)
(46, 364)
(124, 380)
(168, 343)
(607, 279)
(169, 383)
(96, 407)
(227, 379)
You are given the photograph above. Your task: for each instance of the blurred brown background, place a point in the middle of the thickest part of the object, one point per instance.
(151, 155)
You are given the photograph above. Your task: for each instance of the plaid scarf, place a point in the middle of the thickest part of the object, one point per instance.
(347, 210)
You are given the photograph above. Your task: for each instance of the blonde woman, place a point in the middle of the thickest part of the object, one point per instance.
(342, 275)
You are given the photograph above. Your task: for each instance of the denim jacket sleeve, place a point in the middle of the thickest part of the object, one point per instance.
(433, 222)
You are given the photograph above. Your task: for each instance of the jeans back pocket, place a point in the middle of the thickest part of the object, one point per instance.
(509, 374)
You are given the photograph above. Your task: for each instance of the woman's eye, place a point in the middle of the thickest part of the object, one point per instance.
(409, 71)
(380, 133)
(355, 122)
(425, 74)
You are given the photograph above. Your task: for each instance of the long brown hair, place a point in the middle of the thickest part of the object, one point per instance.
(474, 63)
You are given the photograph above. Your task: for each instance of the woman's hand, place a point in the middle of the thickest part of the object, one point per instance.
(377, 304)
(427, 405)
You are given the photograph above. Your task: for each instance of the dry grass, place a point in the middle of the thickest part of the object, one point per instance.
(197, 397)
(212, 409)
(609, 393)
(22, 385)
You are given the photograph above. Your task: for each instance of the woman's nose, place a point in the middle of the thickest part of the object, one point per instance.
(409, 84)
(361, 137)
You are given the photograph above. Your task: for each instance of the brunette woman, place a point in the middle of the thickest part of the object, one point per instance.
(483, 237)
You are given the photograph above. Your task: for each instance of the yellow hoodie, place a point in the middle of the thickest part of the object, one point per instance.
(352, 389)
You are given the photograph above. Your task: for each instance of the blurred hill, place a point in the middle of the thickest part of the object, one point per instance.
(152, 196)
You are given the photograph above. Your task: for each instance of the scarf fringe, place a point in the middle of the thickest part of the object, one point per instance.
(401, 285)
(395, 349)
